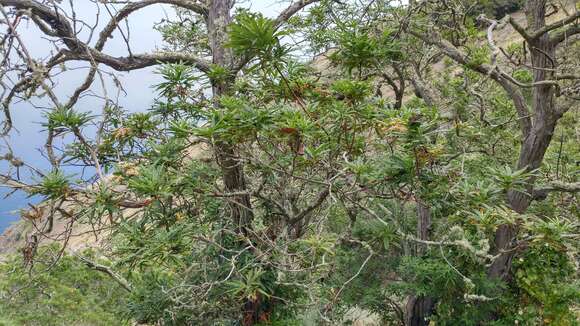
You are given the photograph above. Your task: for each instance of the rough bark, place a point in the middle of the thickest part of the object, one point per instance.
(536, 142)
(419, 308)
(235, 181)
(218, 19)
(538, 118)
(53, 22)
(418, 311)
(423, 226)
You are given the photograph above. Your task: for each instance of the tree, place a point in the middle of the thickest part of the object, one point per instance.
(539, 118)
(71, 291)
(446, 27)
(54, 23)
(260, 188)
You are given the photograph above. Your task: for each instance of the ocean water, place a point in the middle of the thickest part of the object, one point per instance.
(10, 206)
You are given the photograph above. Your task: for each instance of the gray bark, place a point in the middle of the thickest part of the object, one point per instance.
(218, 19)
(536, 142)
(419, 308)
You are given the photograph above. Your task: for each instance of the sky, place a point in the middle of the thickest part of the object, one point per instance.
(29, 136)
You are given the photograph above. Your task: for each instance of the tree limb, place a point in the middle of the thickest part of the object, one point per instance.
(505, 81)
(138, 61)
(104, 269)
(321, 197)
(292, 10)
(561, 23)
(520, 29)
(134, 6)
(78, 50)
(563, 35)
(541, 192)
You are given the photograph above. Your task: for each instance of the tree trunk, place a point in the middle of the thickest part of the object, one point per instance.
(232, 167)
(241, 214)
(235, 181)
(536, 142)
(423, 226)
(419, 308)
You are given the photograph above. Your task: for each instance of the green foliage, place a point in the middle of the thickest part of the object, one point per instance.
(65, 293)
(65, 119)
(148, 303)
(497, 8)
(54, 185)
(295, 192)
(151, 181)
(178, 80)
(430, 277)
(218, 74)
(361, 49)
(255, 35)
(523, 76)
(250, 286)
(166, 247)
(351, 90)
(140, 124)
(508, 179)
(546, 276)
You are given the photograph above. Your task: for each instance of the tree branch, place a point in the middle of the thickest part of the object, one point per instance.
(520, 29)
(321, 197)
(78, 50)
(6, 181)
(561, 23)
(292, 10)
(501, 78)
(561, 36)
(282, 18)
(541, 193)
(61, 27)
(132, 7)
(138, 61)
(104, 269)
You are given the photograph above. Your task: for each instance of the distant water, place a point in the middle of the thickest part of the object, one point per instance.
(9, 207)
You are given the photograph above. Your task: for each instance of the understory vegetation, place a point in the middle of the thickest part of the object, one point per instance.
(399, 161)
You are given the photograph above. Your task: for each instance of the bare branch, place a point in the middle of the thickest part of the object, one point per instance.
(520, 29)
(60, 25)
(292, 10)
(134, 6)
(6, 181)
(139, 61)
(561, 36)
(561, 23)
(321, 197)
(541, 192)
(104, 269)
(503, 79)
(78, 50)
